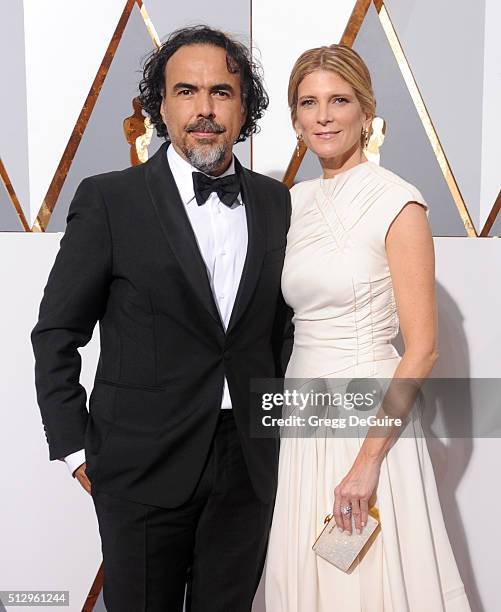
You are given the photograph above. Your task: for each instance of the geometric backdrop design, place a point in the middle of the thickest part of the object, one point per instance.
(468, 156)
(454, 91)
(442, 120)
(406, 144)
(48, 85)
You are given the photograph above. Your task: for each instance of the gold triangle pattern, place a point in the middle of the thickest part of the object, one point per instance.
(492, 217)
(13, 197)
(351, 31)
(45, 212)
(354, 24)
(149, 24)
(56, 185)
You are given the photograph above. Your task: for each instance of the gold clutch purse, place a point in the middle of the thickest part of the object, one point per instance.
(342, 549)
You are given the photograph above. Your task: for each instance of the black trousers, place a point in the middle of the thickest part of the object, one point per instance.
(214, 544)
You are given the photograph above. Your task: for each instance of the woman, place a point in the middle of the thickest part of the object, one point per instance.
(359, 259)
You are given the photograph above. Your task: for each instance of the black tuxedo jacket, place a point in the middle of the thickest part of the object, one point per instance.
(129, 259)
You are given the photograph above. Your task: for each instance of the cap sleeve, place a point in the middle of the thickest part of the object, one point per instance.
(393, 203)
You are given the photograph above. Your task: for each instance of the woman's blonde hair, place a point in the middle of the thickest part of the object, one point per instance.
(342, 60)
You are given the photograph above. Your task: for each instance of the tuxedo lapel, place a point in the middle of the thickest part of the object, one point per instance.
(256, 231)
(177, 228)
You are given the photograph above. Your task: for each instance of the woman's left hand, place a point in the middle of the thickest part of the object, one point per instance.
(356, 489)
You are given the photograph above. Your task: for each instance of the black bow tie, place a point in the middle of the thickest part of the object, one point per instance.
(227, 188)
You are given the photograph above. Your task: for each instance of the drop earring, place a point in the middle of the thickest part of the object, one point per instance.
(299, 137)
(366, 138)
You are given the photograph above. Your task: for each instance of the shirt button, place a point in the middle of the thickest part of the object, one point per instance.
(221, 297)
(223, 253)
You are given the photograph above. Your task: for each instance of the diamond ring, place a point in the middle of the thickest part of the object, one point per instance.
(346, 509)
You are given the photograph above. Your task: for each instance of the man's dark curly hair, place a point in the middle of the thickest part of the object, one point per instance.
(238, 59)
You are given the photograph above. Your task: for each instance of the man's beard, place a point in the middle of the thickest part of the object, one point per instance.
(206, 157)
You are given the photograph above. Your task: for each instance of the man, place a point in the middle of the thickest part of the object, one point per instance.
(179, 259)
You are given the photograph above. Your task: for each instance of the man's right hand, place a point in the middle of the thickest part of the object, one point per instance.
(81, 476)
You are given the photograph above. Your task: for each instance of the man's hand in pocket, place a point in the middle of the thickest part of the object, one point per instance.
(81, 476)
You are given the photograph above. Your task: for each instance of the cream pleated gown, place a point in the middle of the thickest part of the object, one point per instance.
(337, 280)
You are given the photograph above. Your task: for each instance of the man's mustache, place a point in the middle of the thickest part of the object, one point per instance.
(206, 125)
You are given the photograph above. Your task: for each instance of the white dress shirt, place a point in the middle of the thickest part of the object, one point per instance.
(221, 234)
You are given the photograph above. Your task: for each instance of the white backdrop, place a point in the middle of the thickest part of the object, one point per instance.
(50, 538)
